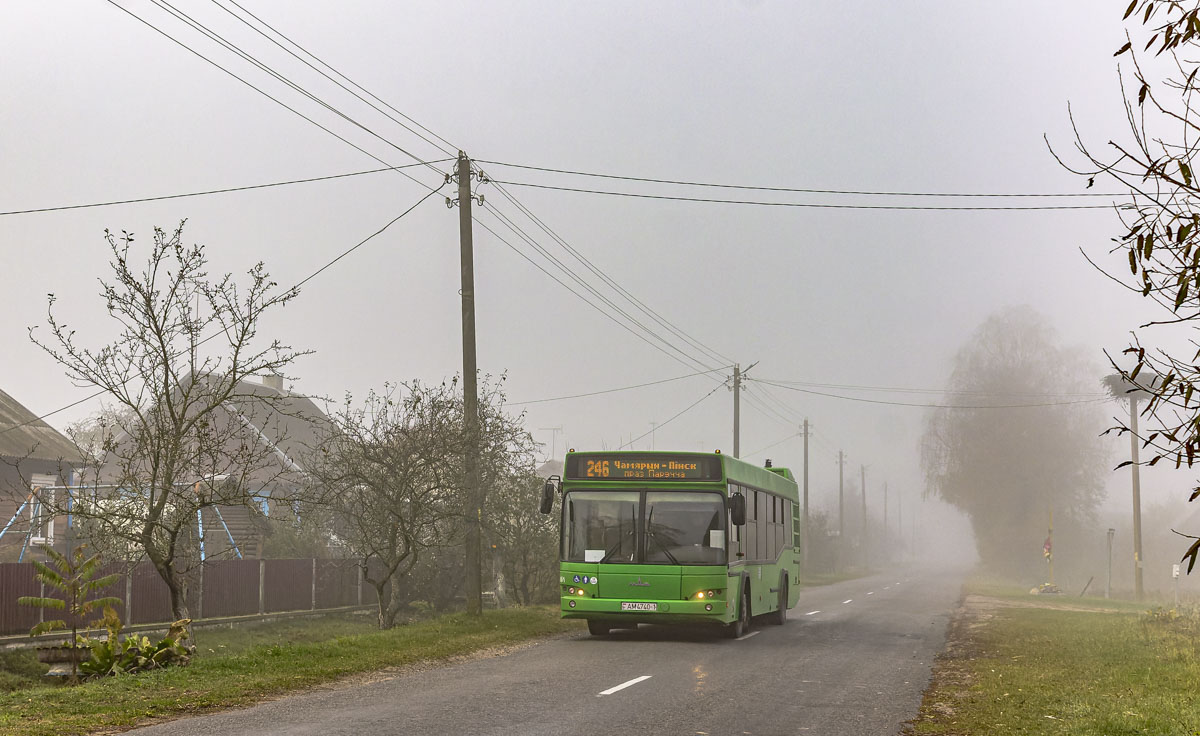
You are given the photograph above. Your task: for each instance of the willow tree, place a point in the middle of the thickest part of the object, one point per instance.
(1015, 439)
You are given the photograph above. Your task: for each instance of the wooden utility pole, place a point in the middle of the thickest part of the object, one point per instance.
(472, 501)
(737, 409)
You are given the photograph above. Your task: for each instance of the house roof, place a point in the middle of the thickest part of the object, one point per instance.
(281, 421)
(293, 423)
(23, 435)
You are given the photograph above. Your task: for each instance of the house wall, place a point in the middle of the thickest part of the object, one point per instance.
(16, 477)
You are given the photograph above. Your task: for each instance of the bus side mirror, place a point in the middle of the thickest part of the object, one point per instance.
(547, 496)
(737, 509)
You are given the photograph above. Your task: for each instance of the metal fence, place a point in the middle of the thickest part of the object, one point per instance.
(220, 588)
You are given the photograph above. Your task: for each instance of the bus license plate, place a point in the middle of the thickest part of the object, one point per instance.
(638, 606)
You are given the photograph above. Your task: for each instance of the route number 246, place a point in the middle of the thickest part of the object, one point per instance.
(597, 468)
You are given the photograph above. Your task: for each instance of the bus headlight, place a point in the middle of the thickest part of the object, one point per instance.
(571, 590)
(700, 595)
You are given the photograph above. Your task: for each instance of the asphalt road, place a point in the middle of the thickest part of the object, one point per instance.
(853, 658)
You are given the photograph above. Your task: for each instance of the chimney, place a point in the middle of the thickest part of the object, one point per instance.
(274, 381)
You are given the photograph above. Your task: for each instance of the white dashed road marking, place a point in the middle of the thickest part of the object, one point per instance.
(747, 636)
(812, 613)
(624, 685)
(851, 600)
(872, 592)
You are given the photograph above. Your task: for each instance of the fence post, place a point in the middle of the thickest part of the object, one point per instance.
(129, 594)
(200, 597)
(262, 579)
(314, 584)
(360, 582)
(42, 611)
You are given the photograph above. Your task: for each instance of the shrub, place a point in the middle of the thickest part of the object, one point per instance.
(114, 656)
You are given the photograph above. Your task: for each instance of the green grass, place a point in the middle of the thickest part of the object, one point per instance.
(1046, 671)
(236, 667)
(19, 669)
(812, 580)
(1010, 592)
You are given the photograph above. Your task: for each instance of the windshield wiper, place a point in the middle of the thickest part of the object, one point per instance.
(650, 533)
(611, 552)
(615, 547)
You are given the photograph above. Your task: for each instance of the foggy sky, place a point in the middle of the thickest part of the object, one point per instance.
(915, 96)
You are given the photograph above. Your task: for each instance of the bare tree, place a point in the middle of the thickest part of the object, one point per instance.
(391, 476)
(1160, 227)
(525, 541)
(178, 441)
(387, 477)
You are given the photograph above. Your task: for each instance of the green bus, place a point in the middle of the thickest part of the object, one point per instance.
(675, 538)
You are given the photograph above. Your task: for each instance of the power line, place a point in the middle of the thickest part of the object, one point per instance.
(809, 205)
(213, 336)
(312, 56)
(639, 304)
(658, 341)
(214, 191)
(932, 406)
(773, 444)
(264, 93)
(654, 344)
(214, 36)
(326, 76)
(798, 190)
(663, 424)
(897, 389)
(218, 38)
(615, 390)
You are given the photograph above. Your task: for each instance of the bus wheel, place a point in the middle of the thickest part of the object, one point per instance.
(780, 615)
(741, 626)
(597, 628)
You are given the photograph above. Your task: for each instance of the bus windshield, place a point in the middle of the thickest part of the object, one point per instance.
(677, 528)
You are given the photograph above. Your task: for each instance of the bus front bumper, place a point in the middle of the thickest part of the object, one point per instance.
(613, 609)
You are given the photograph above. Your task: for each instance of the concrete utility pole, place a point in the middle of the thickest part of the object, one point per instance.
(804, 526)
(865, 556)
(1108, 585)
(1137, 498)
(1120, 388)
(739, 375)
(841, 507)
(554, 432)
(737, 409)
(473, 501)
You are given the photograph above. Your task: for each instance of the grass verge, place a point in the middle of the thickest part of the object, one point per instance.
(1060, 665)
(242, 666)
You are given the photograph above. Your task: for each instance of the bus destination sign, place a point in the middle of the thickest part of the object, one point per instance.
(639, 466)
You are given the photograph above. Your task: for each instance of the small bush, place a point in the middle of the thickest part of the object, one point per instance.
(116, 656)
